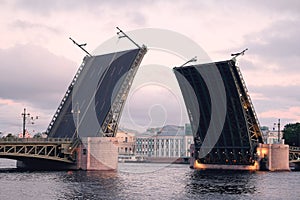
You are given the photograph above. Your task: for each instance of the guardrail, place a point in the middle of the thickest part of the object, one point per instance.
(292, 148)
(33, 140)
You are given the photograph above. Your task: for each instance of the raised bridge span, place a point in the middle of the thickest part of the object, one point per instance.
(90, 108)
(226, 130)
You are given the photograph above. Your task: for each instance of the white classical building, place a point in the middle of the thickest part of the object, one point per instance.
(169, 141)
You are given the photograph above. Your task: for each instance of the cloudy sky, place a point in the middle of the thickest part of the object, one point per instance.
(38, 61)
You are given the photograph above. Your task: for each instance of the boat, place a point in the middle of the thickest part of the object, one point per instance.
(130, 159)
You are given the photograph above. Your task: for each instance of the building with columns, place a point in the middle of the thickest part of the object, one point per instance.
(169, 141)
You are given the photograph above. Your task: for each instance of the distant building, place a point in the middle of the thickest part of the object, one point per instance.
(169, 141)
(40, 135)
(126, 143)
(271, 136)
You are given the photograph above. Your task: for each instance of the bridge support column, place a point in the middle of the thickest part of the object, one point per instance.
(273, 157)
(97, 153)
(297, 166)
(20, 164)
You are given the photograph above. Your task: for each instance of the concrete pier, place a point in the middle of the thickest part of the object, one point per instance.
(270, 157)
(297, 166)
(273, 157)
(97, 153)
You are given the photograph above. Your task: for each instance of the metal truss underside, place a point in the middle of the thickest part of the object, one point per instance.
(294, 154)
(110, 124)
(61, 150)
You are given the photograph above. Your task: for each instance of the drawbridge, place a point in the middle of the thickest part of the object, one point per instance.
(93, 103)
(91, 107)
(240, 135)
(94, 100)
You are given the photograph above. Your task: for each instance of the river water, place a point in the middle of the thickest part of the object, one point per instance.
(146, 181)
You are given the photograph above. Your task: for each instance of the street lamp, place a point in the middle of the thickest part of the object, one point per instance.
(25, 116)
(278, 124)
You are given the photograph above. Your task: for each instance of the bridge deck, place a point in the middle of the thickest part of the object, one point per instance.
(61, 150)
(294, 155)
(35, 140)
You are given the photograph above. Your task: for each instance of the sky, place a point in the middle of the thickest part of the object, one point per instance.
(38, 61)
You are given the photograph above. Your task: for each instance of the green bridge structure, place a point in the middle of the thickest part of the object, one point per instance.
(294, 154)
(40, 153)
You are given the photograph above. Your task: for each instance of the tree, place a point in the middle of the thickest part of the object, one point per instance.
(10, 136)
(291, 134)
(38, 135)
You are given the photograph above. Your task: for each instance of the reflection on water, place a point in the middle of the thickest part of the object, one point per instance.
(156, 182)
(89, 185)
(231, 182)
(220, 184)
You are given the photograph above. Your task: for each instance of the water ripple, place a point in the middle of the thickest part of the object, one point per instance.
(164, 182)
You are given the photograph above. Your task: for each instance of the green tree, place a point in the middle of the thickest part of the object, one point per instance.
(38, 135)
(291, 134)
(10, 136)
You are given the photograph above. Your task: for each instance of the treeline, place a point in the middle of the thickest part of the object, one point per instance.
(10, 135)
(291, 134)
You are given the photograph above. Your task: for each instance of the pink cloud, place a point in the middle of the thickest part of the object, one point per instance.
(292, 113)
(258, 96)
(7, 102)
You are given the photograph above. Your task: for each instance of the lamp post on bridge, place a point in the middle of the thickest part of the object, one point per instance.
(278, 129)
(278, 124)
(25, 116)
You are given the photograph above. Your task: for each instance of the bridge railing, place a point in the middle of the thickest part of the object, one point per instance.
(38, 140)
(292, 148)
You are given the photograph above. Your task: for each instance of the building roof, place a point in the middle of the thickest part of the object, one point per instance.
(171, 130)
